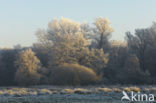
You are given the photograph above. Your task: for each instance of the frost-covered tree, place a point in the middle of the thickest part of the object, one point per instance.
(150, 57)
(67, 40)
(138, 44)
(102, 33)
(95, 59)
(69, 45)
(28, 65)
(132, 73)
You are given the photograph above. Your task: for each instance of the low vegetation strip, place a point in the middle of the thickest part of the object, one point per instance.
(52, 94)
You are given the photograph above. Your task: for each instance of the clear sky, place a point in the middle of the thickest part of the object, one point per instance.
(19, 19)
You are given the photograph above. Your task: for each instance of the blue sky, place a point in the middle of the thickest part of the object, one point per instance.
(19, 19)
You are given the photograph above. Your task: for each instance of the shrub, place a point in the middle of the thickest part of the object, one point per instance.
(73, 74)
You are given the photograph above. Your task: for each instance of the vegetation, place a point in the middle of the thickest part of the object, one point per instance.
(73, 53)
(28, 65)
(88, 94)
(73, 74)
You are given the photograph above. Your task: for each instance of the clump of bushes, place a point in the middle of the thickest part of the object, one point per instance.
(73, 74)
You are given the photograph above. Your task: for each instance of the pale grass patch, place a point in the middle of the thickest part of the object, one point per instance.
(116, 90)
(11, 92)
(82, 91)
(5, 92)
(67, 91)
(45, 91)
(107, 90)
(16, 89)
(135, 89)
(127, 89)
(1, 92)
(22, 91)
(146, 90)
(32, 93)
(153, 89)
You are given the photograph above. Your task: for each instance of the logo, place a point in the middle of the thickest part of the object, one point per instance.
(125, 97)
(132, 96)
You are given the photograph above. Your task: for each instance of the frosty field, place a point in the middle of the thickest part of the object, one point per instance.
(51, 94)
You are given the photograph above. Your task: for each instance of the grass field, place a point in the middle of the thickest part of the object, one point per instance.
(51, 94)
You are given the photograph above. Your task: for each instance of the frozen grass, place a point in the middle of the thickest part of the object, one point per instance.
(50, 94)
(153, 89)
(127, 89)
(134, 89)
(44, 92)
(82, 91)
(67, 91)
(116, 90)
(106, 90)
(146, 90)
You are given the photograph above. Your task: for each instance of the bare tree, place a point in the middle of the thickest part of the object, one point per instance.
(138, 44)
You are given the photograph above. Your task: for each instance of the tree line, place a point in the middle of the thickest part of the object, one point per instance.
(73, 53)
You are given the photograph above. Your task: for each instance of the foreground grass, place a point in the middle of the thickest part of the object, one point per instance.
(50, 94)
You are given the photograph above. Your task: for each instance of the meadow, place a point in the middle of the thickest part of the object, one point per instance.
(52, 94)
